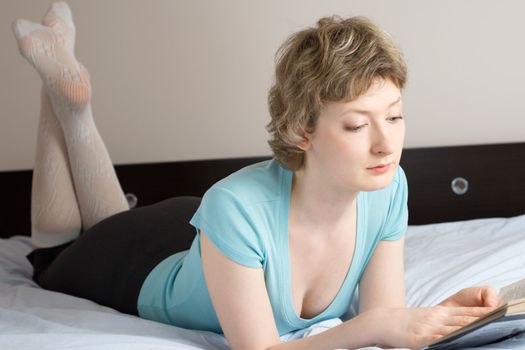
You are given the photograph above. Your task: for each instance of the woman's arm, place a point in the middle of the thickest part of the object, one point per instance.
(243, 307)
(383, 282)
(239, 296)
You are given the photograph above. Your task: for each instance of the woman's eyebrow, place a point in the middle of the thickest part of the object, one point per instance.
(360, 111)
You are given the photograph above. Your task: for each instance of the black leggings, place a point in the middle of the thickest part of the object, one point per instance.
(109, 262)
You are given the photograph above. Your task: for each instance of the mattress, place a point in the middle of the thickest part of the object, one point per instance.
(440, 259)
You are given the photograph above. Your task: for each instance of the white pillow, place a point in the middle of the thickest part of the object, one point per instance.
(441, 259)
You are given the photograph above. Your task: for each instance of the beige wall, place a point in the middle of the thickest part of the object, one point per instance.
(176, 80)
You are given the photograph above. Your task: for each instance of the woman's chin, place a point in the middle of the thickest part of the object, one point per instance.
(377, 183)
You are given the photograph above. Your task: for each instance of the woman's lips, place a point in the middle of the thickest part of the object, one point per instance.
(380, 169)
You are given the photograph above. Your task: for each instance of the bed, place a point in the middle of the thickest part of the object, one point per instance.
(467, 220)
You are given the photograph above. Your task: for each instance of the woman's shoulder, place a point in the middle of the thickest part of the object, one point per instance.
(256, 182)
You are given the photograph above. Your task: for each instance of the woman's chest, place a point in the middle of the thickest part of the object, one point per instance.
(318, 271)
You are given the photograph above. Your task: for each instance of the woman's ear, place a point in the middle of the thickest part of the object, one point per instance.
(304, 145)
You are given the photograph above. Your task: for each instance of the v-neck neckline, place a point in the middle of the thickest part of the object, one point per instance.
(286, 274)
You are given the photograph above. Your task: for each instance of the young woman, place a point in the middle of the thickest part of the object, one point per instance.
(276, 246)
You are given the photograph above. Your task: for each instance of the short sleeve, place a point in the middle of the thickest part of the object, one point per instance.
(229, 225)
(397, 217)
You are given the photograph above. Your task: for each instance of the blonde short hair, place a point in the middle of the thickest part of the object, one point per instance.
(337, 60)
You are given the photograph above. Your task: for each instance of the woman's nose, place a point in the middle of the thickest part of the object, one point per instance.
(383, 143)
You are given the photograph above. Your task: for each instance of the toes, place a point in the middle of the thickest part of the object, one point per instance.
(58, 10)
(16, 27)
(34, 38)
(63, 8)
(22, 27)
(60, 19)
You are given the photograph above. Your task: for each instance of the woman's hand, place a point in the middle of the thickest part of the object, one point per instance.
(416, 327)
(474, 296)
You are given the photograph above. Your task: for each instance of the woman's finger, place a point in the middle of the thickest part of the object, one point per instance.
(489, 296)
(459, 321)
(444, 330)
(476, 311)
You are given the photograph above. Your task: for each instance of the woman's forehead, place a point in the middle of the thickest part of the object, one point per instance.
(379, 97)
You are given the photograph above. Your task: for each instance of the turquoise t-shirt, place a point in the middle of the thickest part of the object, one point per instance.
(245, 215)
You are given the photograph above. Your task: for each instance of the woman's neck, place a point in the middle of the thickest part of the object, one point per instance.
(318, 203)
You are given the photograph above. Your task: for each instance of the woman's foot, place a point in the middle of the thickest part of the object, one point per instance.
(60, 19)
(50, 52)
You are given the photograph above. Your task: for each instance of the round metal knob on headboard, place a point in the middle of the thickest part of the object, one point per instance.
(132, 200)
(459, 186)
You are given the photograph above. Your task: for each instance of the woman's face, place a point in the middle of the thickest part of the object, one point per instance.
(352, 137)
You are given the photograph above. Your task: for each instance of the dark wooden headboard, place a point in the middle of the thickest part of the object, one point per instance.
(495, 175)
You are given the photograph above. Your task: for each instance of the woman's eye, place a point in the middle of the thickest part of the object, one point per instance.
(359, 127)
(394, 119)
(354, 128)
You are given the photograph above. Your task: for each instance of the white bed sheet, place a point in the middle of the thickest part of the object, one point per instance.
(440, 260)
